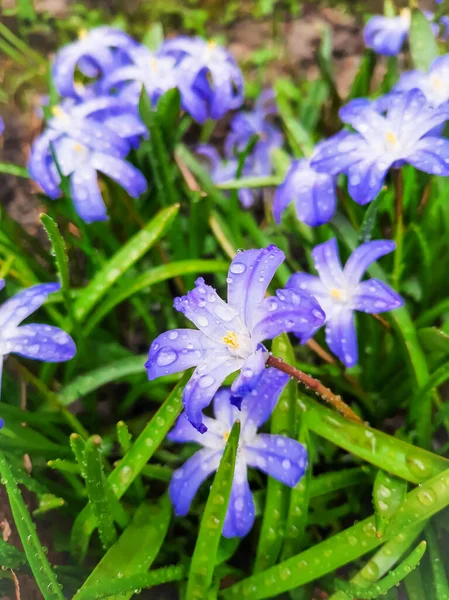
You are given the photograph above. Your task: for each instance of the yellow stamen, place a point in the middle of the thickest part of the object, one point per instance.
(57, 111)
(77, 147)
(230, 339)
(211, 44)
(154, 65)
(79, 87)
(406, 14)
(436, 82)
(82, 33)
(336, 294)
(226, 436)
(391, 137)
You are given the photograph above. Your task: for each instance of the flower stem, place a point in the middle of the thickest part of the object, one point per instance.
(398, 224)
(316, 386)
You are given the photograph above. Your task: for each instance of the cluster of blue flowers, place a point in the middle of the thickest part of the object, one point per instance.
(96, 125)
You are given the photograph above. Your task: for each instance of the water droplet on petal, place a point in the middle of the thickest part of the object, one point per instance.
(237, 268)
(166, 356)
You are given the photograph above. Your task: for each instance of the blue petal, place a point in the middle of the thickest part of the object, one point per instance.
(374, 296)
(92, 134)
(249, 276)
(186, 480)
(386, 35)
(361, 115)
(175, 351)
(241, 511)
(23, 304)
(41, 342)
(341, 336)
(431, 155)
(184, 431)
(41, 165)
(289, 311)
(366, 178)
(203, 385)
(223, 409)
(364, 256)
(204, 307)
(258, 405)
(125, 174)
(251, 372)
(327, 263)
(278, 456)
(311, 284)
(86, 195)
(338, 153)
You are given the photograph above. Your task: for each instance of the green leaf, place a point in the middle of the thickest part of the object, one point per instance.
(122, 260)
(204, 556)
(48, 502)
(152, 277)
(84, 384)
(434, 339)
(369, 219)
(437, 561)
(9, 169)
(25, 10)
(388, 495)
(97, 491)
(124, 437)
(408, 462)
(42, 571)
(277, 498)
(423, 45)
(10, 556)
(78, 446)
(131, 464)
(149, 526)
(154, 37)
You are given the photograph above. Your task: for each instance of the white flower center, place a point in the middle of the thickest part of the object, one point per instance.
(238, 344)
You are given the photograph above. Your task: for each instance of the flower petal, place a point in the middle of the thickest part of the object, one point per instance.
(125, 174)
(363, 256)
(184, 431)
(338, 153)
(241, 510)
(291, 310)
(203, 385)
(366, 178)
(248, 279)
(327, 263)
(341, 336)
(223, 409)
(187, 479)
(374, 296)
(204, 307)
(23, 304)
(250, 374)
(86, 195)
(278, 456)
(41, 342)
(386, 35)
(258, 405)
(175, 351)
(431, 155)
(310, 284)
(41, 165)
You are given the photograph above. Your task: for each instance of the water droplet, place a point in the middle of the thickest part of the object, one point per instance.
(426, 497)
(286, 464)
(370, 571)
(206, 381)
(173, 335)
(237, 268)
(420, 467)
(285, 574)
(166, 356)
(203, 321)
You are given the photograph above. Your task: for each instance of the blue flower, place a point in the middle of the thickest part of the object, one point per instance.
(156, 74)
(387, 35)
(278, 456)
(434, 84)
(41, 342)
(384, 141)
(222, 171)
(209, 79)
(95, 53)
(314, 194)
(231, 333)
(2, 126)
(83, 146)
(340, 292)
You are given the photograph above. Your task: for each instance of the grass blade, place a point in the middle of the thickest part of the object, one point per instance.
(423, 45)
(205, 554)
(388, 495)
(42, 571)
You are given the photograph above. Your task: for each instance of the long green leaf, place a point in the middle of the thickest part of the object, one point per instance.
(388, 494)
(10, 169)
(37, 560)
(84, 384)
(205, 553)
(127, 256)
(149, 526)
(423, 45)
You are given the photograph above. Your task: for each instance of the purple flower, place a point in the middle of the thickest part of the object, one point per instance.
(313, 192)
(384, 141)
(434, 84)
(222, 171)
(209, 79)
(340, 292)
(2, 126)
(278, 456)
(231, 333)
(41, 342)
(156, 74)
(82, 147)
(95, 53)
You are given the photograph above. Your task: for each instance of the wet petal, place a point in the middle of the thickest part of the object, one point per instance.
(386, 35)
(339, 152)
(366, 178)
(40, 164)
(258, 405)
(184, 431)
(175, 351)
(23, 304)
(249, 376)
(124, 173)
(203, 385)
(431, 155)
(86, 195)
(341, 336)
(248, 279)
(363, 256)
(187, 479)
(310, 284)
(223, 409)
(290, 310)
(40, 342)
(278, 456)
(241, 511)
(374, 296)
(327, 263)
(204, 307)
